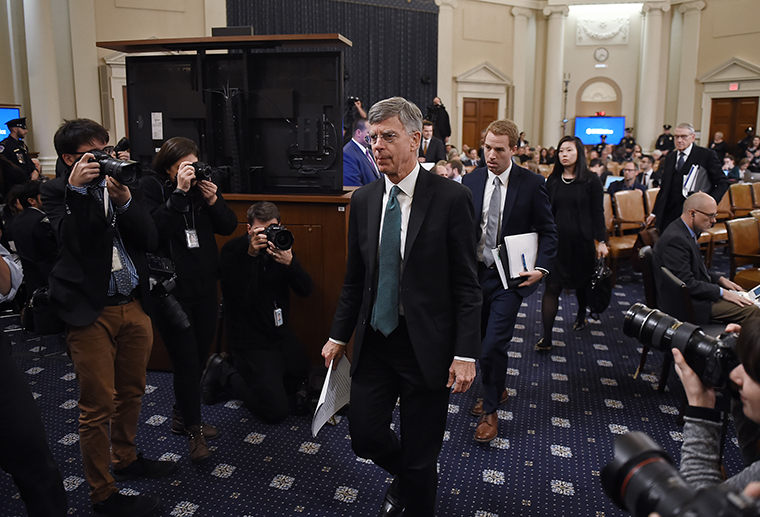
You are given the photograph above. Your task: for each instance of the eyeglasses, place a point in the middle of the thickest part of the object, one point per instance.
(709, 216)
(387, 136)
(683, 137)
(629, 170)
(108, 150)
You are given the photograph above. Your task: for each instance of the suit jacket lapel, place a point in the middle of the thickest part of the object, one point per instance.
(513, 187)
(478, 190)
(374, 211)
(422, 196)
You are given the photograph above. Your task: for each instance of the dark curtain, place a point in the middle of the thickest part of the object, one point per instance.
(395, 44)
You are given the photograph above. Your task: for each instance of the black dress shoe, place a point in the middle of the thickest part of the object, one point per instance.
(580, 321)
(543, 345)
(393, 505)
(145, 468)
(210, 379)
(119, 505)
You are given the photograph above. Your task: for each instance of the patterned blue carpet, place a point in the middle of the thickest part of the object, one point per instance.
(556, 434)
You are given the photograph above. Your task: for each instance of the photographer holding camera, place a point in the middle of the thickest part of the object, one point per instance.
(187, 210)
(258, 271)
(99, 286)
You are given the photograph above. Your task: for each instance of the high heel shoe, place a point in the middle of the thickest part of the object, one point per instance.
(580, 321)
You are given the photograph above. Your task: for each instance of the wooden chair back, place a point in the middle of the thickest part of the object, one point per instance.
(741, 199)
(756, 195)
(724, 208)
(609, 216)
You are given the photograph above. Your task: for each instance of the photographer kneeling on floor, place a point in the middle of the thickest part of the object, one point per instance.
(258, 271)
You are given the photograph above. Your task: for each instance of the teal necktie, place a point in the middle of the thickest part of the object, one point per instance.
(385, 310)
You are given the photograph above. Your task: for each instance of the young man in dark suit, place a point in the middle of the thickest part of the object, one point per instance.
(712, 295)
(431, 149)
(688, 169)
(509, 200)
(359, 166)
(98, 286)
(411, 292)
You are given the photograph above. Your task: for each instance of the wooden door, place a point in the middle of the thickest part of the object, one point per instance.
(477, 114)
(732, 117)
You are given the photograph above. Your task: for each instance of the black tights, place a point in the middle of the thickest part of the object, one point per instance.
(550, 306)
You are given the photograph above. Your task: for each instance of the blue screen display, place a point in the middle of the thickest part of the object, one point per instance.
(7, 114)
(591, 129)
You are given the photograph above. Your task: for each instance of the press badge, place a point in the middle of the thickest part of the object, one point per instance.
(115, 261)
(191, 236)
(277, 317)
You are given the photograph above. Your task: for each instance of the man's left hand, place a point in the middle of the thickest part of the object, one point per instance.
(118, 193)
(461, 375)
(725, 283)
(284, 257)
(531, 277)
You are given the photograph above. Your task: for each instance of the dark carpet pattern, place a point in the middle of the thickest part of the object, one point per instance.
(556, 433)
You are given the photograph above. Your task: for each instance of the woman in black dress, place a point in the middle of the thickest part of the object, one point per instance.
(188, 212)
(576, 196)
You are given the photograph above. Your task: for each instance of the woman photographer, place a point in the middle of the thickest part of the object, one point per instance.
(188, 211)
(701, 449)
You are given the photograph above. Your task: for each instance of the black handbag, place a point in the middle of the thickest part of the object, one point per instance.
(599, 289)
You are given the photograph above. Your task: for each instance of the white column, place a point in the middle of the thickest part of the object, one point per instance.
(43, 79)
(520, 63)
(445, 56)
(647, 122)
(84, 56)
(554, 68)
(689, 49)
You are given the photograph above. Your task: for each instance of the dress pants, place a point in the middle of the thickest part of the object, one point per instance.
(500, 308)
(388, 370)
(110, 357)
(24, 451)
(188, 351)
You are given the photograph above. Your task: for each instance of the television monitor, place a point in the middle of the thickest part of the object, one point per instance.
(6, 114)
(591, 129)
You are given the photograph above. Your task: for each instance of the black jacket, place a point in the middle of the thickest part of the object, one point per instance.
(197, 268)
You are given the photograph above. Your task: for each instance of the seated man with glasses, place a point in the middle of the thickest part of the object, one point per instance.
(713, 296)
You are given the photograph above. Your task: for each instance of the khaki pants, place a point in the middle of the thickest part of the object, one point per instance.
(110, 357)
(729, 312)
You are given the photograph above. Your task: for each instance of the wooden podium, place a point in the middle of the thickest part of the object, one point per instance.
(320, 227)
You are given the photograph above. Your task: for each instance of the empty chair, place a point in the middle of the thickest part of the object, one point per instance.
(629, 211)
(718, 233)
(620, 246)
(744, 249)
(741, 199)
(756, 195)
(651, 196)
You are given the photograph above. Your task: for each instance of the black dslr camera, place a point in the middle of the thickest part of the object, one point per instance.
(162, 283)
(641, 479)
(712, 359)
(279, 236)
(125, 172)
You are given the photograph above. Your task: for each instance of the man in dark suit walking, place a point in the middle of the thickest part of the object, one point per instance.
(712, 295)
(688, 169)
(359, 167)
(432, 149)
(98, 287)
(411, 292)
(509, 200)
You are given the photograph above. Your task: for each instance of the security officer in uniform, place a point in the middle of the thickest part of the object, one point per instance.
(628, 141)
(14, 149)
(601, 145)
(665, 141)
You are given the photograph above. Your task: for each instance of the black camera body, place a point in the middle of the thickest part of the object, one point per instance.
(641, 479)
(711, 358)
(125, 172)
(279, 236)
(203, 171)
(162, 283)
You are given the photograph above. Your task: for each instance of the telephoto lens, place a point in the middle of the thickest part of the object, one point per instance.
(126, 172)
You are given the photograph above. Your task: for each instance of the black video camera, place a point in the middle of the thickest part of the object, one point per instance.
(125, 172)
(162, 283)
(279, 236)
(711, 358)
(641, 479)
